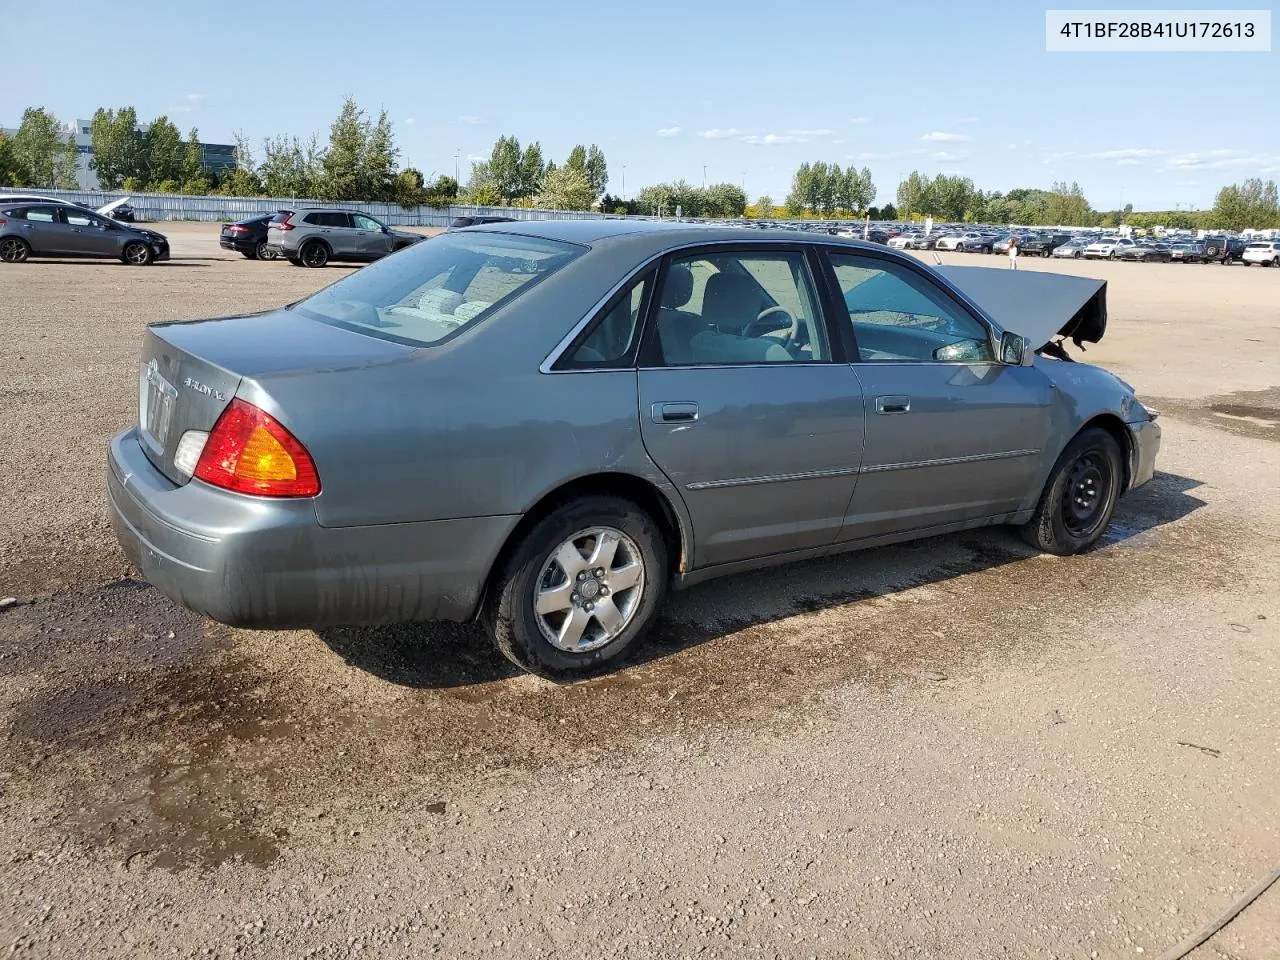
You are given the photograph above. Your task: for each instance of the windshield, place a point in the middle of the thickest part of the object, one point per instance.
(433, 289)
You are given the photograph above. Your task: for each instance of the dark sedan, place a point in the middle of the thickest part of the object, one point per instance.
(63, 230)
(249, 237)
(1148, 251)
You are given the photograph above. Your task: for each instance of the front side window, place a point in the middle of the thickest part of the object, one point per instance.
(739, 307)
(366, 223)
(78, 219)
(433, 289)
(900, 316)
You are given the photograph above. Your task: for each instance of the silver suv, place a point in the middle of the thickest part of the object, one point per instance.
(314, 236)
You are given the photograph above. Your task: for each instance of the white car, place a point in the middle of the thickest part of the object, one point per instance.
(1107, 247)
(958, 241)
(903, 241)
(1265, 252)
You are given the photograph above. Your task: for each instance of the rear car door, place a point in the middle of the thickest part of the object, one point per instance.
(951, 434)
(371, 240)
(334, 228)
(43, 229)
(91, 235)
(742, 404)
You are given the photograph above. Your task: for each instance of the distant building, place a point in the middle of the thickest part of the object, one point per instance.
(216, 157)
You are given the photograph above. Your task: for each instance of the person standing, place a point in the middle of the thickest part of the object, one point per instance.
(1013, 252)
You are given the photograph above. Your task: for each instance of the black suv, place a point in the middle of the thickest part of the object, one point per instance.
(1042, 244)
(1225, 249)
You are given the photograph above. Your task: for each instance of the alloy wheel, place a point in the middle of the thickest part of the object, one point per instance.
(12, 250)
(589, 589)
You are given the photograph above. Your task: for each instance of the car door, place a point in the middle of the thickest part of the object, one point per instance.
(370, 239)
(742, 405)
(91, 235)
(334, 228)
(951, 434)
(44, 231)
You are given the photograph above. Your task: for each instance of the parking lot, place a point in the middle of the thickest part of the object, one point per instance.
(951, 748)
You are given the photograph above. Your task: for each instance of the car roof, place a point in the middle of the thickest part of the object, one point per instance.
(661, 232)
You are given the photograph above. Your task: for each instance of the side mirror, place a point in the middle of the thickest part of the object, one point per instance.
(1016, 351)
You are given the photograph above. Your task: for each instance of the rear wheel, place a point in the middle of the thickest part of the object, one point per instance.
(579, 588)
(1079, 497)
(315, 254)
(14, 250)
(137, 254)
(1276, 262)
(263, 252)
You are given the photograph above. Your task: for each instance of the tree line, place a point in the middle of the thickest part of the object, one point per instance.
(513, 175)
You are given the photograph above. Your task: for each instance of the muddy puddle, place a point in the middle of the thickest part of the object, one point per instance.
(1247, 413)
(149, 735)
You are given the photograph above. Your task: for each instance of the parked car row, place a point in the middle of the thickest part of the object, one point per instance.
(315, 236)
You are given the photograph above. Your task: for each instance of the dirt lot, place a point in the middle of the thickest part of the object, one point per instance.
(945, 749)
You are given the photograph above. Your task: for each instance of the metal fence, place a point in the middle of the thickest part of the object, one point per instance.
(166, 206)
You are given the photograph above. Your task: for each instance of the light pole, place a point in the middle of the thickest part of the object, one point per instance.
(704, 176)
(624, 181)
(457, 160)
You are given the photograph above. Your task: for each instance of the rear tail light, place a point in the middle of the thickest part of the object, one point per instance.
(236, 228)
(285, 224)
(248, 451)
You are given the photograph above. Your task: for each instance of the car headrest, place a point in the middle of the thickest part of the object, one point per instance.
(730, 302)
(677, 290)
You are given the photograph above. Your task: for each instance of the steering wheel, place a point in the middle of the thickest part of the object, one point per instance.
(792, 332)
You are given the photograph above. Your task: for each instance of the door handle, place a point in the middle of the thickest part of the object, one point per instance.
(894, 404)
(678, 412)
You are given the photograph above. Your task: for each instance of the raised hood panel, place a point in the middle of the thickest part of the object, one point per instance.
(1036, 304)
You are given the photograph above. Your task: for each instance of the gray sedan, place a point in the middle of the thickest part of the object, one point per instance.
(545, 425)
(38, 229)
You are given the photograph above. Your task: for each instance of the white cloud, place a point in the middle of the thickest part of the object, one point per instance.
(409, 122)
(967, 120)
(716, 133)
(948, 155)
(1226, 159)
(1128, 162)
(809, 133)
(1129, 153)
(917, 151)
(669, 132)
(938, 137)
(870, 155)
(1012, 146)
(772, 139)
(476, 158)
(859, 119)
(189, 103)
(471, 120)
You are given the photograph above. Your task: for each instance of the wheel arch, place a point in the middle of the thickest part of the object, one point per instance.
(638, 490)
(1115, 426)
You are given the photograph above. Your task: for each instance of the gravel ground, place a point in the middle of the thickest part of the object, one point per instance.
(953, 748)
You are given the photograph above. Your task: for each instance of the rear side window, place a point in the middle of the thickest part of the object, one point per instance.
(328, 219)
(37, 214)
(610, 341)
(282, 216)
(434, 289)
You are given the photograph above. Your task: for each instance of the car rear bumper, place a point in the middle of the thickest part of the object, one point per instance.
(256, 562)
(240, 246)
(1145, 436)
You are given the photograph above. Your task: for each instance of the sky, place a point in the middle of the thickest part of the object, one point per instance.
(738, 92)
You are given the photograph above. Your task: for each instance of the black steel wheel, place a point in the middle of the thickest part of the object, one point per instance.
(1080, 495)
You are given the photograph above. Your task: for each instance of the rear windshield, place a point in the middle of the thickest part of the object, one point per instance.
(434, 289)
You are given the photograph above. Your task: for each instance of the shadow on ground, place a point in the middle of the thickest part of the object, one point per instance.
(442, 655)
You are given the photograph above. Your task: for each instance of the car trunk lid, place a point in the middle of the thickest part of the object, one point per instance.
(191, 371)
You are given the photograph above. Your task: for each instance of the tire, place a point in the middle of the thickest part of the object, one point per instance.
(137, 254)
(263, 252)
(14, 250)
(248, 254)
(1276, 262)
(524, 636)
(1079, 497)
(314, 254)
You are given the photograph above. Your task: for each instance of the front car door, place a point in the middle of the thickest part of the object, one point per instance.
(91, 235)
(370, 238)
(952, 434)
(742, 404)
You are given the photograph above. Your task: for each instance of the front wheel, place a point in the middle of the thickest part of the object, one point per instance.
(137, 254)
(579, 588)
(263, 252)
(1079, 497)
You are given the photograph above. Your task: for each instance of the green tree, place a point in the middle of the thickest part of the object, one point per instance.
(8, 166)
(532, 170)
(764, 208)
(888, 212)
(505, 170)
(243, 180)
(596, 169)
(290, 169)
(119, 151)
(379, 162)
(41, 155)
(655, 201)
(1066, 206)
(163, 152)
(344, 168)
(723, 200)
(915, 195)
(195, 179)
(1249, 204)
(566, 188)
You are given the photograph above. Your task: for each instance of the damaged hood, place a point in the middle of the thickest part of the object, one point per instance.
(1036, 304)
